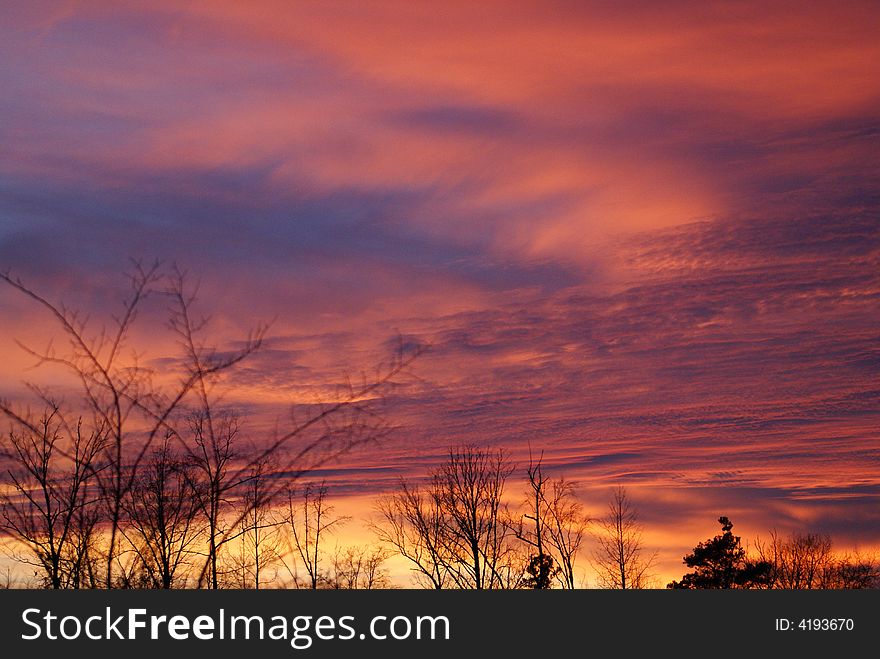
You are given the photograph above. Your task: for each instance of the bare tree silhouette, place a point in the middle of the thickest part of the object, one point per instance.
(542, 566)
(260, 542)
(161, 516)
(214, 480)
(807, 561)
(51, 502)
(358, 568)
(324, 433)
(469, 489)
(620, 559)
(124, 406)
(456, 532)
(310, 519)
(555, 531)
(566, 529)
(414, 526)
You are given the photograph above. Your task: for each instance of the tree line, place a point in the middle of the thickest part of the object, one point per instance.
(144, 484)
(186, 523)
(799, 561)
(456, 530)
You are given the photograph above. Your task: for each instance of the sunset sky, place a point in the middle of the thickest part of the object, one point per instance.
(642, 237)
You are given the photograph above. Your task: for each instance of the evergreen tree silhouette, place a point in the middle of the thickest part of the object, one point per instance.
(721, 562)
(542, 570)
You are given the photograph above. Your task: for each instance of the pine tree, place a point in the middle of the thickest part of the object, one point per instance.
(721, 562)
